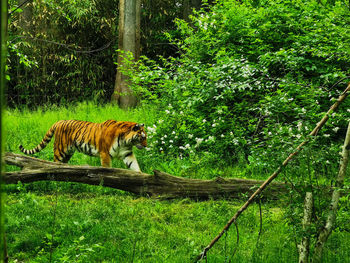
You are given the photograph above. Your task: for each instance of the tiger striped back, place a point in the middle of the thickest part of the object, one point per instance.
(107, 140)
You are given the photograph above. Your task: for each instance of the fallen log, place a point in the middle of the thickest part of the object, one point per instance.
(159, 184)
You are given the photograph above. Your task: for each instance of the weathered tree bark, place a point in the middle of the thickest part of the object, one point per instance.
(160, 184)
(117, 87)
(128, 43)
(304, 246)
(329, 225)
(187, 6)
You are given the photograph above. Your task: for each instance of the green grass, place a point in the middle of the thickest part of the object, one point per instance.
(119, 228)
(70, 222)
(28, 128)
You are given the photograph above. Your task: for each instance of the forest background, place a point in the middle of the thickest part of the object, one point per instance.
(226, 88)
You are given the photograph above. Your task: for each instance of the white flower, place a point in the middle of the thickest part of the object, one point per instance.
(151, 130)
(187, 146)
(213, 125)
(204, 120)
(173, 132)
(190, 136)
(167, 112)
(336, 129)
(182, 148)
(160, 149)
(199, 140)
(222, 136)
(171, 141)
(299, 125)
(160, 121)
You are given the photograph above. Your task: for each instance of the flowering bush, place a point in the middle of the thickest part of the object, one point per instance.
(252, 82)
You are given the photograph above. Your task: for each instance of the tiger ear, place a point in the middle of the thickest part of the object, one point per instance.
(136, 127)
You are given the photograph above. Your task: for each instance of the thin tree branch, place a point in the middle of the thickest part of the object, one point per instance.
(304, 246)
(331, 218)
(275, 173)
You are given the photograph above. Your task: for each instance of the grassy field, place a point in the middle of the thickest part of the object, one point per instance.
(69, 222)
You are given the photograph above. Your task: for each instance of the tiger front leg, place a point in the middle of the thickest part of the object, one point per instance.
(106, 160)
(131, 162)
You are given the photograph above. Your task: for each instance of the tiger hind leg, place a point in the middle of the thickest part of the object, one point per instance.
(63, 156)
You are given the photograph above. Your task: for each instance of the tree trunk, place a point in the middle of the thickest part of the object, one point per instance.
(329, 225)
(3, 54)
(128, 43)
(304, 246)
(186, 10)
(159, 184)
(188, 6)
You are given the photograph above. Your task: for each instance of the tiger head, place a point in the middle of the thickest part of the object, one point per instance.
(139, 136)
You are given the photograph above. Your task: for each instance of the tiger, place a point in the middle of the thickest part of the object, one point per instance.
(106, 140)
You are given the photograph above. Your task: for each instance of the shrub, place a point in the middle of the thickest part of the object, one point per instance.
(251, 79)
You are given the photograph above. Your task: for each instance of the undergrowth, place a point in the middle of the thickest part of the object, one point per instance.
(71, 222)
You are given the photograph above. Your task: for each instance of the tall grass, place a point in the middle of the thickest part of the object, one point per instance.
(29, 127)
(71, 222)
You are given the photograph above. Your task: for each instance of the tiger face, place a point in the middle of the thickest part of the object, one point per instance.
(139, 136)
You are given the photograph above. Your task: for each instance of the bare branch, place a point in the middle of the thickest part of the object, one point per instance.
(329, 225)
(304, 246)
(314, 132)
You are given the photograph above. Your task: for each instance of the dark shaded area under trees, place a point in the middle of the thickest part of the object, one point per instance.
(65, 52)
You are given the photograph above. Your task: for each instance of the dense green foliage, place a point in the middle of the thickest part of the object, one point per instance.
(71, 222)
(66, 50)
(252, 78)
(53, 60)
(236, 89)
